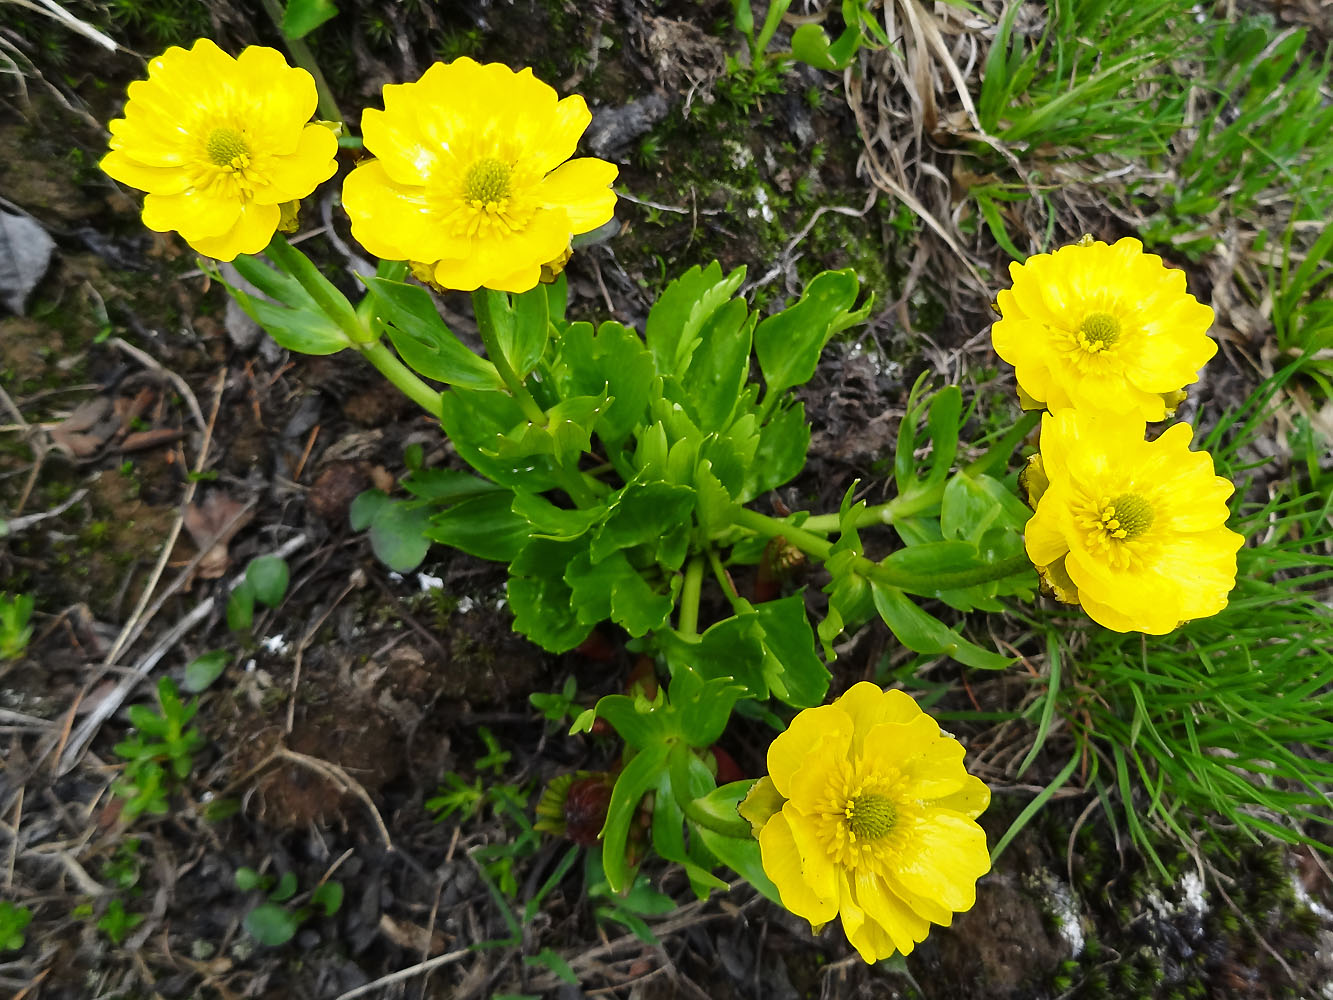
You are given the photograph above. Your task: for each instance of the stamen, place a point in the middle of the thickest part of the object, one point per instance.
(870, 817)
(1126, 517)
(1098, 332)
(486, 184)
(226, 147)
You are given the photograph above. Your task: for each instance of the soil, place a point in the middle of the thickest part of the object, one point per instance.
(348, 706)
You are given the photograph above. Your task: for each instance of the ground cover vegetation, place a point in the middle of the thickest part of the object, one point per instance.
(700, 576)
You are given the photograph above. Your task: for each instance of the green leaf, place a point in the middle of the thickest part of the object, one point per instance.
(788, 343)
(810, 45)
(792, 668)
(271, 924)
(731, 649)
(549, 521)
(923, 633)
(303, 332)
(328, 896)
(521, 324)
(641, 513)
(241, 607)
(442, 487)
(945, 410)
(557, 297)
(995, 223)
(365, 507)
(285, 889)
(668, 828)
(423, 340)
(202, 671)
(967, 509)
(703, 706)
(615, 360)
(714, 505)
(247, 879)
(550, 959)
(474, 420)
(639, 775)
(303, 16)
(675, 320)
(295, 318)
(268, 576)
(719, 366)
(740, 854)
(484, 526)
(567, 433)
(783, 443)
(639, 722)
(612, 588)
(731, 451)
(541, 599)
(934, 557)
(399, 535)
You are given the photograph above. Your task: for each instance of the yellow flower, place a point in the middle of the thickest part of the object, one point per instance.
(1099, 326)
(220, 144)
(1133, 530)
(471, 177)
(878, 823)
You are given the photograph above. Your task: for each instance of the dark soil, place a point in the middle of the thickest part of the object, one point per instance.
(342, 711)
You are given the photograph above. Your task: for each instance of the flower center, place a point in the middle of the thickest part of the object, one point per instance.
(1127, 516)
(1098, 331)
(226, 147)
(870, 817)
(486, 184)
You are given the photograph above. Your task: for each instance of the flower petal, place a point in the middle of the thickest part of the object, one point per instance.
(550, 138)
(154, 180)
(942, 856)
(279, 98)
(295, 175)
(583, 189)
(789, 751)
(391, 220)
(802, 883)
(869, 705)
(490, 262)
(884, 909)
(193, 214)
(252, 231)
(930, 762)
(971, 800)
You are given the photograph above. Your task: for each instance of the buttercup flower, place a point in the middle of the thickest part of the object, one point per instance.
(1105, 327)
(868, 814)
(220, 144)
(471, 177)
(1133, 530)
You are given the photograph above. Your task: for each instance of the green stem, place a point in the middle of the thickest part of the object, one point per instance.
(1003, 449)
(883, 513)
(741, 829)
(809, 543)
(332, 303)
(912, 583)
(913, 502)
(402, 377)
(720, 574)
(678, 763)
(489, 336)
(301, 54)
(690, 591)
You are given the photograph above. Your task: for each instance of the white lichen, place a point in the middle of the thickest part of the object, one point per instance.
(275, 644)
